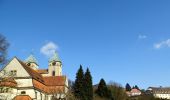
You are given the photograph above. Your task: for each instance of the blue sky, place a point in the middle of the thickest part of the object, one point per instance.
(119, 40)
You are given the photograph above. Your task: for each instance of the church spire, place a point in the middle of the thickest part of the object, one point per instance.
(55, 65)
(32, 62)
(55, 57)
(31, 59)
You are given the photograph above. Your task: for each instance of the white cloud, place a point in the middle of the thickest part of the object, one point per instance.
(49, 49)
(165, 43)
(142, 36)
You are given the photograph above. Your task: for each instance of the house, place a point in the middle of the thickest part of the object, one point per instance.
(23, 80)
(159, 92)
(133, 92)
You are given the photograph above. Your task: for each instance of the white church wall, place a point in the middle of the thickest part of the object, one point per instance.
(46, 74)
(29, 92)
(162, 95)
(24, 82)
(15, 65)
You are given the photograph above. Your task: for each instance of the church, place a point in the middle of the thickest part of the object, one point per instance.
(23, 80)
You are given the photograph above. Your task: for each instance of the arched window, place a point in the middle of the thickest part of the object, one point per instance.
(53, 73)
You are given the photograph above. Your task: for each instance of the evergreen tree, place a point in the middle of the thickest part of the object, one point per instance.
(128, 87)
(102, 89)
(133, 87)
(88, 85)
(78, 85)
(136, 87)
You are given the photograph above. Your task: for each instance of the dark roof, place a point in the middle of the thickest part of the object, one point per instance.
(159, 89)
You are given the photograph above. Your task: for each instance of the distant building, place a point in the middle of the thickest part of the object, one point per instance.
(133, 92)
(23, 80)
(159, 92)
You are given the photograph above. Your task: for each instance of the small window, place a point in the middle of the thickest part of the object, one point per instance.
(23, 92)
(13, 72)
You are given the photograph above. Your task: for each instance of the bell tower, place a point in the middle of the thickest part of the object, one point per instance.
(55, 65)
(32, 62)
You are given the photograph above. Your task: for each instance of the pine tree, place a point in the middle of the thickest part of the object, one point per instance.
(78, 85)
(128, 87)
(136, 87)
(102, 89)
(88, 85)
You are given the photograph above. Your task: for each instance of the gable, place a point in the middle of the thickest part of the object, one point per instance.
(14, 64)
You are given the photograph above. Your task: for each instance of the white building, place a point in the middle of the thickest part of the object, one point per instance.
(25, 81)
(159, 92)
(133, 92)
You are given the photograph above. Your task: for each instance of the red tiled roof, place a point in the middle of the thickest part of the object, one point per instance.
(42, 71)
(9, 79)
(32, 72)
(135, 91)
(54, 80)
(51, 84)
(22, 97)
(48, 84)
(48, 89)
(8, 82)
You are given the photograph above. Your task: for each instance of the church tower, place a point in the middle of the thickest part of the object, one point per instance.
(55, 66)
(32, 62)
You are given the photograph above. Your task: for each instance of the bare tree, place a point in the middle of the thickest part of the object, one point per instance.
(70, 95)
(61, 94)
(5, 91)
(3, 49)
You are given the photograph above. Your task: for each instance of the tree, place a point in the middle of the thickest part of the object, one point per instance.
(88, 85)
(128, 87)
(102, 89)
(78, 85)
(7, 76)
(136, 87)
(70, 92)
(3, 49)
(117, 91)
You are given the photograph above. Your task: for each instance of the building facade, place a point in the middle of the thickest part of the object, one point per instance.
(133, 92)
(159, 92)
(23, 80)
